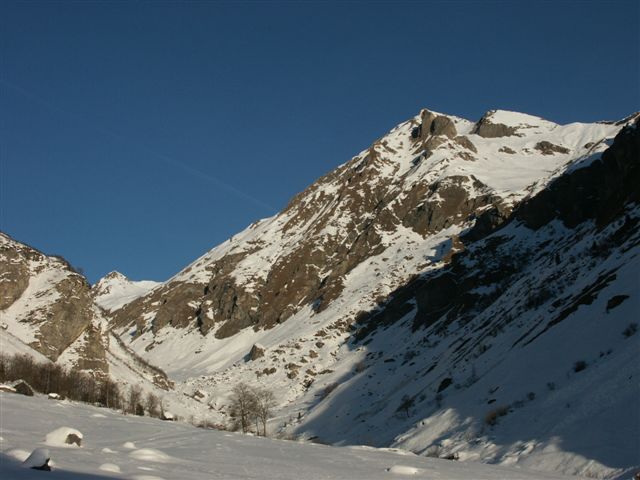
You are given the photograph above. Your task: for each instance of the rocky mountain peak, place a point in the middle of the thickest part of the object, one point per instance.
(115, 290)
(114, 275)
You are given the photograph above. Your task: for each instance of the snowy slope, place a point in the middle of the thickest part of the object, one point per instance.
(10, 345)
(116, 446)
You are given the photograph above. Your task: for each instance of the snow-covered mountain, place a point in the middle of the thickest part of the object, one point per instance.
(115, 290)
(459, 289)
(439, 292)
(49, 311)
(47, 305)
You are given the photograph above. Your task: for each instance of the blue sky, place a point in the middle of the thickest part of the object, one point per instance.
(135, 136)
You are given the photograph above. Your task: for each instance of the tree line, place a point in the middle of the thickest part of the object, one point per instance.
(79, 386)
(250, 408)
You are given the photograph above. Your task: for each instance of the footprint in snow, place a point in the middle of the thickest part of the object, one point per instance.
(110, 467)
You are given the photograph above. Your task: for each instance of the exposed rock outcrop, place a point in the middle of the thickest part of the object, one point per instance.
(548, 148)
(489, 129)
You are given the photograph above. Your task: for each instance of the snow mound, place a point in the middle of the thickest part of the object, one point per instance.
(129, 445)
(98, 415)
(110, 467)
(17, 454)
(108, 450)
(62, 437)
(146, 477)
(38, 458)
(150, 455)
(403, 470)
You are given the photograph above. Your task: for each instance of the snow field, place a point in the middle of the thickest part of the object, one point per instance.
(168, 451)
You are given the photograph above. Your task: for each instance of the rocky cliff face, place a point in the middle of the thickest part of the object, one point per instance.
(46, 304)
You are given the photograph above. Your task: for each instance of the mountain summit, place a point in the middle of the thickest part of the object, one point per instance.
(115, 290)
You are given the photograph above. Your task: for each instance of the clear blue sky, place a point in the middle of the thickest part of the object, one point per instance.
(138, 135)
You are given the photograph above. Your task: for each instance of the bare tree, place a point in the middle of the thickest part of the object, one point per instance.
(406, 404)
(264, 403)
(135, 399)
(153, 405)
(242, 406)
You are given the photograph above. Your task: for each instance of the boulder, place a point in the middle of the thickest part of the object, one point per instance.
(168, 416)
(256, 352)
(22, 387)
(63, 436)
(7, 388)
(73, 439)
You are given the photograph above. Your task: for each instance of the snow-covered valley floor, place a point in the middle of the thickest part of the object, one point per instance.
(118, 446)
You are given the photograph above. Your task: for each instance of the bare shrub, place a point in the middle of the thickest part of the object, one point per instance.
(134, 400)
(491, 418)
(152, 402)
(579, 366)
(326, 391)
(631, 330)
